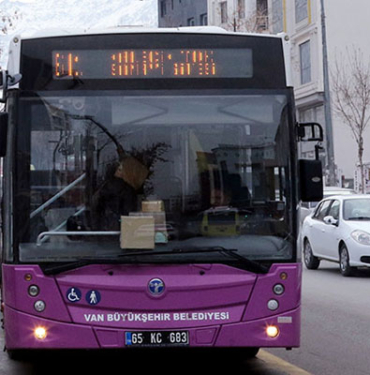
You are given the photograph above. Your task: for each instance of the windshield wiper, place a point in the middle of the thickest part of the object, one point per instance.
(53, 269)
(249, 264)
(359, 218)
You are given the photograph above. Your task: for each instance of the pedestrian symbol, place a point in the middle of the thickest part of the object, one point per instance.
(93, 297)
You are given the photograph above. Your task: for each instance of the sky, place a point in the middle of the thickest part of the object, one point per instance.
(348, 26)
(28, 16)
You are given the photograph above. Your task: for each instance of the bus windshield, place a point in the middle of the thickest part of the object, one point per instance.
(103, 173)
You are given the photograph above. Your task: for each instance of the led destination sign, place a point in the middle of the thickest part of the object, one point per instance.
(152, 64)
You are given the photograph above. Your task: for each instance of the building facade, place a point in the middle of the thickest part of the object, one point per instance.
(239, 15)
(180, 13)
(301, 20)
(346, 26)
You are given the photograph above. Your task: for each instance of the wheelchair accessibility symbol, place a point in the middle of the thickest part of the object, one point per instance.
(74, 295)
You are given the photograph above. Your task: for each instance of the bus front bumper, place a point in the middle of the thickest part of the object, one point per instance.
(25, 331)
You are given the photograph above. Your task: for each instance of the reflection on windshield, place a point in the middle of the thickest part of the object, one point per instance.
(150, 172)
(356, 209)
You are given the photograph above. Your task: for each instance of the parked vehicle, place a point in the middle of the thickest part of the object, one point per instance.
(308, 207)
(335, 190)
(339, 231)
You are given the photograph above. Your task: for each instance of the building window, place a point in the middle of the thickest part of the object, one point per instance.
(301, 10)
(241, 8)
(311, 114)
(191, 21)
(204, 19)
(262, 7)
(262, 15)
(223, 6)
(305, 62)
(163, 8)
(277, 16)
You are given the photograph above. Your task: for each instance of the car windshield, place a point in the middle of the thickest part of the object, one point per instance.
(104, 174)
(332, 192)
(356, 209)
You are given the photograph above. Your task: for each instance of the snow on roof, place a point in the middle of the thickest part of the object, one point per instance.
(47, 33)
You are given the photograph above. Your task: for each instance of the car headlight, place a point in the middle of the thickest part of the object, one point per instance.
(361, 237)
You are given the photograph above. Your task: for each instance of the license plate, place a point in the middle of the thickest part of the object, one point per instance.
(157, 338)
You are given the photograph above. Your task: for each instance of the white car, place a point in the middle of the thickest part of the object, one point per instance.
(308, 207)
(339, 231)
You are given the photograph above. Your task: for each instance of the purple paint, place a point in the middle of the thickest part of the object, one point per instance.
(218, 305)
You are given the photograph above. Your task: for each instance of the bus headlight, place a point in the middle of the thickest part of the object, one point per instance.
(278, 289)
(39, 306)
(33, 290)
(272, 304)
(40, 333)
(272, 331)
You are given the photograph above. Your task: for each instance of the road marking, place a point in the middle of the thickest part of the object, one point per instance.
(281, 364)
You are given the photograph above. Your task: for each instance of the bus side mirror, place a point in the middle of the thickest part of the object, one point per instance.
(3, 132)
(310, 132)
(311, 180)
(1, 86)
(7, 81)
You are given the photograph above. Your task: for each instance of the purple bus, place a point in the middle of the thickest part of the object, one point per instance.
(150, 191)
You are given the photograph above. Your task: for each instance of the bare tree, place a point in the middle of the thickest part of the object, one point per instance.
(351, 89)
(8, 21)
(239, 20)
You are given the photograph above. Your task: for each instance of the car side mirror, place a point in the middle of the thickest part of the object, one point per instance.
(3, 132)
(311, 180)
(331, 221)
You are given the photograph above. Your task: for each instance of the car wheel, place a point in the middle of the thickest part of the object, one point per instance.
(344, 266)
(311, 262)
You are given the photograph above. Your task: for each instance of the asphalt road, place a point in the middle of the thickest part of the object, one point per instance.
(335, 336)
(150, 361)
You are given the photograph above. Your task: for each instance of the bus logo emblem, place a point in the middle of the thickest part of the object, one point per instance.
(156, 287)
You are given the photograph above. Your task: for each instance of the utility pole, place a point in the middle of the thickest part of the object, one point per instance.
(327, 104)
(234, 17)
